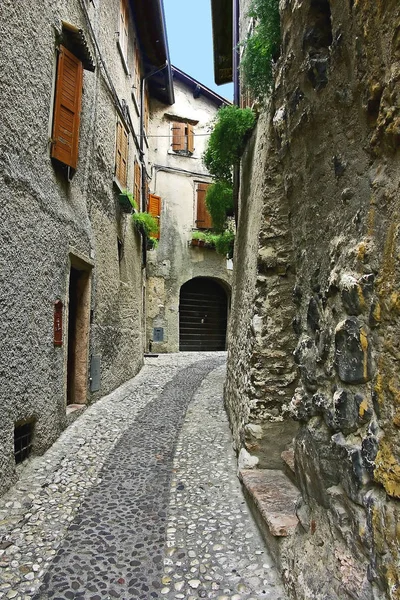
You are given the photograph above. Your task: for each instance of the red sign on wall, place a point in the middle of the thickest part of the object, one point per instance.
(58, 328)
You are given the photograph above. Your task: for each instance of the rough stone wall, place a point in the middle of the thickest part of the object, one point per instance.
(175, 180)
(43, 218)
(332, 166)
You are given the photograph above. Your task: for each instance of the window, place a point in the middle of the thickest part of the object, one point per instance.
(121, 155)
(137, 182)
(182, 137)
(203, 220)
(154, 208)
(67, 107)
(123, 30)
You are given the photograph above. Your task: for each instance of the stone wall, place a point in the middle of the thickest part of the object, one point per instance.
(328, 262)
(46, 219)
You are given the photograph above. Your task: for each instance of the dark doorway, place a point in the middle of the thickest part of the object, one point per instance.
(78, 335)
(203, 313)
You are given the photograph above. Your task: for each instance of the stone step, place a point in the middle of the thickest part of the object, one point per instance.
(287, 457)
(272, 498)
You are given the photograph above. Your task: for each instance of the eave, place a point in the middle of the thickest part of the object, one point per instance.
(222, 25)
(151, 30)
(198, 89)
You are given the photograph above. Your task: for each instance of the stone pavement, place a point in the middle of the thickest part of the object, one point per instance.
(137, 500)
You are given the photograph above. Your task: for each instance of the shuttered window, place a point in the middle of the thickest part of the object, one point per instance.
(121, 155)
(67, 107)
(154, 208)
(123, 27)
(182, 137)
(137, 181)
(203, 220)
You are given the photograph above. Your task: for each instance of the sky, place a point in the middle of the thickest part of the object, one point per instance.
(189, 33)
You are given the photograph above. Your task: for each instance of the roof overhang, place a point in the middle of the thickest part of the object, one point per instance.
(222, 25)
(198, 89)
(151, 29)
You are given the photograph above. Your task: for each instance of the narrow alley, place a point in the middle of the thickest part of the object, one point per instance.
(138, 498)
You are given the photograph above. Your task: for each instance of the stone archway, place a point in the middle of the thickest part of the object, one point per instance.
(203, 315)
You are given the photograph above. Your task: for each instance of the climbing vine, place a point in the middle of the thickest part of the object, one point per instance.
(261, 48)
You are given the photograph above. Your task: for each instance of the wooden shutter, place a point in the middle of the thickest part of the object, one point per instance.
(123, 27)
(154, 208)
(203, 220)
(137, 184)
(178, 136)
(190, 138)
(137, 73)
(67, 107)
(121, 155)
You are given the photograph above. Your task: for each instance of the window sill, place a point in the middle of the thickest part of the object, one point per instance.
(118, 185)
(182, 155)
(123, 59)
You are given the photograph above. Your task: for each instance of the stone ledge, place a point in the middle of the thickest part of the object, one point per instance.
(272, 497)
(287, 457)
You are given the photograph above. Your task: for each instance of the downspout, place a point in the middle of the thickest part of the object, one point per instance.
(236, 100)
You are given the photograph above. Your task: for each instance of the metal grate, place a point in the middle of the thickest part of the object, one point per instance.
(23, 435)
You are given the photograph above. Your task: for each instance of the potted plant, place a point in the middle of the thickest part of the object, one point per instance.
(145, 223)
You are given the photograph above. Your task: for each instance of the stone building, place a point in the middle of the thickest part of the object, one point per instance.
(315, 308)
(76, 81)
(188, 286)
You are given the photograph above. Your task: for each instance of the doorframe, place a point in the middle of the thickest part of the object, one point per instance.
(80, 262)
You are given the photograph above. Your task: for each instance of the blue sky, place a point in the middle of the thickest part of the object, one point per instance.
(189, 33)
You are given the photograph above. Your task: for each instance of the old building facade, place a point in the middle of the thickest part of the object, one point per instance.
(76, 79)
(188, 286)
(315, 309)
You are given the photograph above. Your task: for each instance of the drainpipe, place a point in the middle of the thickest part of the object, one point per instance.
(236, 100)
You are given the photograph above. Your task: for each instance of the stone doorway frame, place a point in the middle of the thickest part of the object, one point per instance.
(77, 395)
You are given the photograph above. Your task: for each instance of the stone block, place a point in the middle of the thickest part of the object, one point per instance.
(352, 352)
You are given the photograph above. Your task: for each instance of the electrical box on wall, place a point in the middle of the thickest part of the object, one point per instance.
(95, 373)
(158, 334)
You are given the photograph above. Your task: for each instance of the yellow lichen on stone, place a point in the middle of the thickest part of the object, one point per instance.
(379, 388)
(377, 312)
(387, 470)
(371, 219)
(361, 251)
(394, 390)
(361, 298)
(385, 282)
(394, 303)
(364, 346)
(363, 408)
(396, 420)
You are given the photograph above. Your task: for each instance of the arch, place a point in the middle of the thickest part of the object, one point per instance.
(203, 315)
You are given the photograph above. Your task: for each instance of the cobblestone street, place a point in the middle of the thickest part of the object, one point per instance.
(138, 498)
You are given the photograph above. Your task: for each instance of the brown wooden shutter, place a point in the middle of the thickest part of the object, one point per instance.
(67, 107)
(203, 220)
(190, 138)
(137, 73)
(137, 177)
(154, 208)
(178, 136)
(121, 155)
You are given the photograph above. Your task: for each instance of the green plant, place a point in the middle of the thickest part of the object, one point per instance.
(222, 242)
(127, 199)
(145, 223)
(226, 143)
(261, 48)
(219, 202)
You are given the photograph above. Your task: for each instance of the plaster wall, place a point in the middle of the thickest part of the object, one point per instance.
(175, 179)
(44, 219)
(328, 249)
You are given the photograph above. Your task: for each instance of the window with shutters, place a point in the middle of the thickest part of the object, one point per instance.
(203, 218)
(121, 155)
(182, 138)
(67, 108)
(154, 208)
(136, 74)
(137, 181)
(123, 32)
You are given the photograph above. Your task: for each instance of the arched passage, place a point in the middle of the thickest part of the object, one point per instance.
(203, 315)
